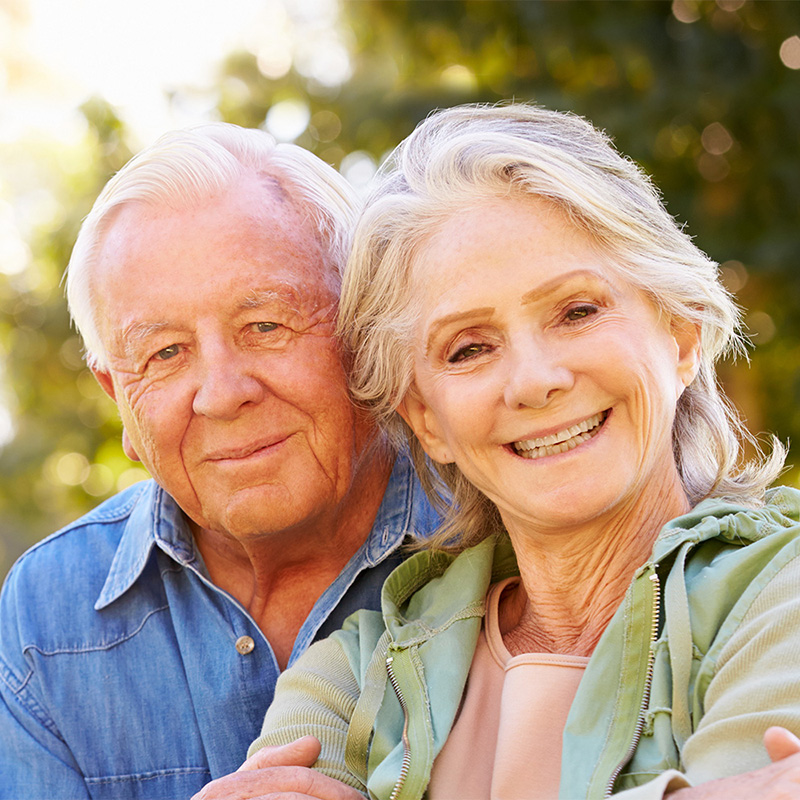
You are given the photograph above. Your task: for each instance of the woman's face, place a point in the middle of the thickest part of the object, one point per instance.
(545, 377)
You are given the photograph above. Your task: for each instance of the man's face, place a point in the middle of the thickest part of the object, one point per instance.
(218, 326)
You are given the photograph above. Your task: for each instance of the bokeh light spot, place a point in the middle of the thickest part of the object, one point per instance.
(71, 469)
(287, 119)
(358, 168)
(685, 11)
(716, 139)
(790, 52)
(760, 327)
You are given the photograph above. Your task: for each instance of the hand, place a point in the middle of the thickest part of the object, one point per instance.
(279, 773)
(779, 781)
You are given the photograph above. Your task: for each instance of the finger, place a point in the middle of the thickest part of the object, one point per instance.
(346, 794)
(283, 782)
(303, 796)
(299, 796)
(780, 743)
(299, 753)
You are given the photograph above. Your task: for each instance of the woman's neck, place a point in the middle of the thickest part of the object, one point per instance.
(573, 583)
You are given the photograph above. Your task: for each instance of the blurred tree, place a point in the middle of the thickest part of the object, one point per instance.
(703, 94)
(66, 451)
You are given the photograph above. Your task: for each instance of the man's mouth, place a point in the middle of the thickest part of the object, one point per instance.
(245, 451)
(561, 442)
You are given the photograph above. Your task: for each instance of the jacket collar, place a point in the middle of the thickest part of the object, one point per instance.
(432, 589)
(428, 590)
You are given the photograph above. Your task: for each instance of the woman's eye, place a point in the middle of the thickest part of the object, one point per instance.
(464, 353)
(577, 313)
(168, 352)
(265, 327)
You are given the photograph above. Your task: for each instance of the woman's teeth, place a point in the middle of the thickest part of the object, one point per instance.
(562, 441)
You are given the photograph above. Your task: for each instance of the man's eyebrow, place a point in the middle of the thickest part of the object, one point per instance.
(258, 298)
(138, 332)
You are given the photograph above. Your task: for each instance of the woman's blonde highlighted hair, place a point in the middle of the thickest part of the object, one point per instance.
(461, 157)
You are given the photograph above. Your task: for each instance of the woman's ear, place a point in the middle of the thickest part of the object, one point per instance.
(422, 421)
(687, 337)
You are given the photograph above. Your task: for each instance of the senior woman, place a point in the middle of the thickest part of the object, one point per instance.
(613, 603)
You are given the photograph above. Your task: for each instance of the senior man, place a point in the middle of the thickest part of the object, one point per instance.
(139, 646)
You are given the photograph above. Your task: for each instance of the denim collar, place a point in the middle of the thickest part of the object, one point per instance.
(157, 520)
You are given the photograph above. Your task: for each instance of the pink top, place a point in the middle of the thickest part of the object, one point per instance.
(506, 741)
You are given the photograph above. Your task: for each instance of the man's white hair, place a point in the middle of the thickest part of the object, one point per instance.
(188, 167)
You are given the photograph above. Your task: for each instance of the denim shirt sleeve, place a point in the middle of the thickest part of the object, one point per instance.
(33, 756)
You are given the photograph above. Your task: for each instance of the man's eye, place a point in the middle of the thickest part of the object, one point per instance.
(464, 353)
(168, 352)
(265, 327)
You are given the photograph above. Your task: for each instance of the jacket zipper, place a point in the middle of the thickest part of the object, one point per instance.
(406, 763)
(637, 734)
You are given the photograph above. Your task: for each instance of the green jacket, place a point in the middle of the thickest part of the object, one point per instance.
(700, 658)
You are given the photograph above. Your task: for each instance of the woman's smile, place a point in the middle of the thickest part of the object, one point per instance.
(563, 441)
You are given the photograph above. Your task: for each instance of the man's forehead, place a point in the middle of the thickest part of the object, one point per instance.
(247, 248)
(269, 218)
(277, 186)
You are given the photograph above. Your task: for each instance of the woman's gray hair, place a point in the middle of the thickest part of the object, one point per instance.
(185, 168)
(461, 157)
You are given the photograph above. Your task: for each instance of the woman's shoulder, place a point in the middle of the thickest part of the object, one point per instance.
(434, 584)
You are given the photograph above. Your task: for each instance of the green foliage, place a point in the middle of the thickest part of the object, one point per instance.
(66, 452)
(705, 105)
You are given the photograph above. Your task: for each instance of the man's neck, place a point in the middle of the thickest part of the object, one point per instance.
(279, 577)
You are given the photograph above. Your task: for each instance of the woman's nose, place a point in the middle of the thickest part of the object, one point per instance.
(227, 383)
(536, 374)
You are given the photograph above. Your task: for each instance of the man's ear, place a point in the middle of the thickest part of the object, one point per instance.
(422, 421)
(687, 337)
(128, 448)
(107, 385)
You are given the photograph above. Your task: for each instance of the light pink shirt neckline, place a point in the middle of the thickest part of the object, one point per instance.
(506, 741)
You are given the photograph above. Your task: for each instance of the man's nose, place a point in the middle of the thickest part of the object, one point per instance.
(536, 373)
(227, 383)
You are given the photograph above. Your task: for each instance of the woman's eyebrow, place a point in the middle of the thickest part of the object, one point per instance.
(457, 316)
(556, 284)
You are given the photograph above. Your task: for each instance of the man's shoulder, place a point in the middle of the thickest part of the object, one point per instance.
(59, 580)
(85, 536)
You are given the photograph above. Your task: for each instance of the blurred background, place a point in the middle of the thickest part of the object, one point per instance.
(704, 95)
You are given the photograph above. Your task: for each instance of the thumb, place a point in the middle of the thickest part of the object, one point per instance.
(299, 753)
(780, 743)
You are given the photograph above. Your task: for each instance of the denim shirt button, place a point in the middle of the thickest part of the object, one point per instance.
(245, 645)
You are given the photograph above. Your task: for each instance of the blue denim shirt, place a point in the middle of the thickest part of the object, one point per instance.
(119, 671)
